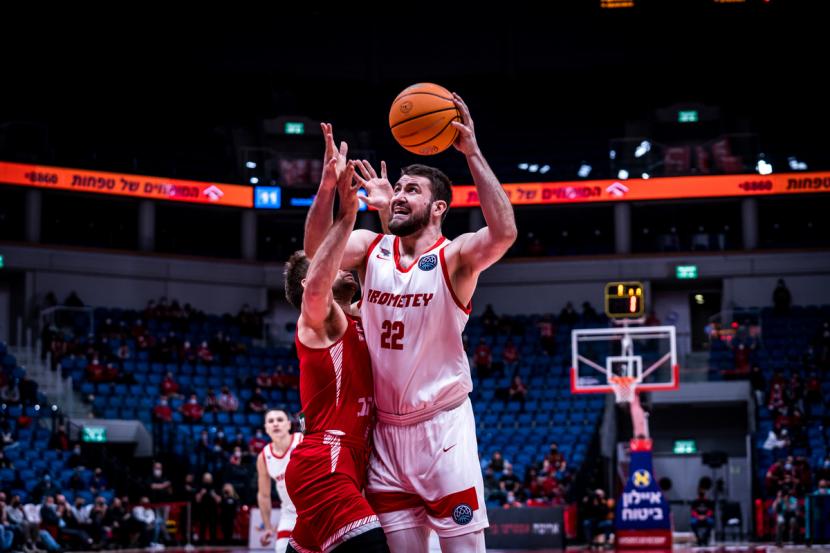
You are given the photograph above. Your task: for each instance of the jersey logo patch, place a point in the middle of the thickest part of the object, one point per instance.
(428, 262)
(462, 514)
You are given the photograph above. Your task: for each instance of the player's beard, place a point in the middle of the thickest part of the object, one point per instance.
(343, 290)
(411, 225)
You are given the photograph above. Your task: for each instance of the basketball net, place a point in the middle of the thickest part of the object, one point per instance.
(624, 388)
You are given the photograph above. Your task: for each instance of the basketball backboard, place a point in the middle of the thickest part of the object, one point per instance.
(645, 354)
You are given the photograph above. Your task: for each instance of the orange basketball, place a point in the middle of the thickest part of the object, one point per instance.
(420, 119)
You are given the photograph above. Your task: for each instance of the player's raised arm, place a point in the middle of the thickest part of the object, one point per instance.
(319, 218)
(481, 249)
(317, 295)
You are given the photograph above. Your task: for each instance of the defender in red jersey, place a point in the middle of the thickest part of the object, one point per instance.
(327, 471)
(417, 287)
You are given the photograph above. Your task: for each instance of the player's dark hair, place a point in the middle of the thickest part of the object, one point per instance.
(296, 269)
(440, 184)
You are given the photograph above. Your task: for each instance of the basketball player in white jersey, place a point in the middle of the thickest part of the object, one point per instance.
(416, 298)
(271, 465)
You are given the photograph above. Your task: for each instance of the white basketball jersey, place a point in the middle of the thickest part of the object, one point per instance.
(276, 465)
(413, 322)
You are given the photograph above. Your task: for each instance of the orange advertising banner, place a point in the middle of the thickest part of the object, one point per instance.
(136, 186)
(667, 188)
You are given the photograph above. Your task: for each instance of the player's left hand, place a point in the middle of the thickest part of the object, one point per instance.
(465, 142)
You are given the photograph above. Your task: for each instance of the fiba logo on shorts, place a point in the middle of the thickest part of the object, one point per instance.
(641, 478)
(406, 107)
(428, 262)
(462, 514)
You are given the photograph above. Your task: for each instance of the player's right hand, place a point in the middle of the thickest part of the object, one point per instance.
(378, 189)
(265, 538)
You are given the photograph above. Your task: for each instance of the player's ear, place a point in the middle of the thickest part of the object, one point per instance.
(439, 207)
(302, 283)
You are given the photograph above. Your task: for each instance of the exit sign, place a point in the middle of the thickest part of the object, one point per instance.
(687, 116)
(686, 272)
(685, 447)
(294, 128)
(1, 261)
(94, 434)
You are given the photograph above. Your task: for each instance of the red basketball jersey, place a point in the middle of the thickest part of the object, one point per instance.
(336, 389)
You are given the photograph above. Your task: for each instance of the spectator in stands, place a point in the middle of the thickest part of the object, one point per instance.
(554, 455)
(188, 353)
(258, 403)
(508, 482)
(256, 443)
(211, 402)
(596, 518)
(71, 530)
(17, 520)
(589, 314)
(547, 334)
(76, 481)
(44, 488)
(492, 489)
(204, 354)
(781, 298)
(742, 358)
(116, 522)
(776, 399)
(568, 316)
(496, 462)
(207, 505)
(123, 354)
(489, 320)
(483, 359)
(97, 519)
(161, 488)
(228, 509)
(191, 410)
(144, 518)
(227, 401)
(787, 514)
(263, 379)
(98, 482)
(510, 357)
(517, 391)
(73, 300)
(702, 518)
(169, 386)
(59, 439)
(162, 411)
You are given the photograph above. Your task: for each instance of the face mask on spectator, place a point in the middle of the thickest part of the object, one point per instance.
(788, 466)
(157, 473)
